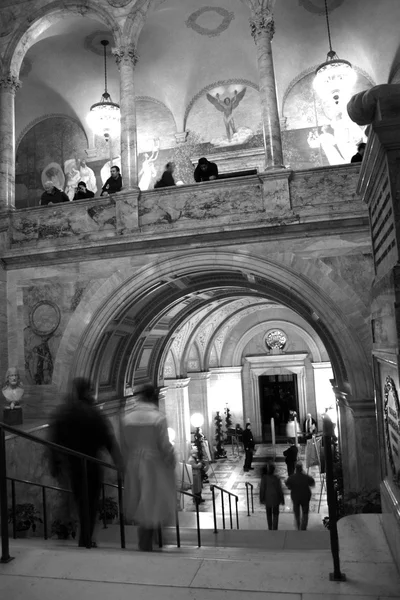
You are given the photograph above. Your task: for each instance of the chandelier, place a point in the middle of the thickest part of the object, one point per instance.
(104, 116)
(335, 78)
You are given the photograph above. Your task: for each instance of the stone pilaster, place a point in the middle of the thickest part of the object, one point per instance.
(126, 58)
(175, 404)
(9, 84)
(199, 390)
(262, 29)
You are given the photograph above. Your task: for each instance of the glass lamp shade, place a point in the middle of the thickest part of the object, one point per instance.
(104, 118)
(334, 80)
(197, 420)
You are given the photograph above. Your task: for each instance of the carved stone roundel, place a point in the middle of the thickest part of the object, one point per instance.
(275, 339)
(318, 6)
(118, 3)
(45, 318)
(227, 17)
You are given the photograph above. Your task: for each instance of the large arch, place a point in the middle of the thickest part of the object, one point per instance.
(155, 286)
(30, 29)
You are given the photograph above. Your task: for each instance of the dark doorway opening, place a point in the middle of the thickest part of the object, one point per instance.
(278, 400)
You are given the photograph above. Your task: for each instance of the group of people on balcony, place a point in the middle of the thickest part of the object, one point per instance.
(204, 171)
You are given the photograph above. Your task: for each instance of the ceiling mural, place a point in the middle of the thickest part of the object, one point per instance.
(210, 20)
(318, 6)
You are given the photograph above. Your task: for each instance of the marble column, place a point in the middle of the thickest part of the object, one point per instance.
(199, 390)
(262, 29)
(175, 404)
(9, 84)
(126, 58)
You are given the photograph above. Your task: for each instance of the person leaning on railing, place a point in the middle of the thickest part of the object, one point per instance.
(52, 195)
(113, 183)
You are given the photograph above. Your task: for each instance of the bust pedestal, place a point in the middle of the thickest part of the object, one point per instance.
(12, 416)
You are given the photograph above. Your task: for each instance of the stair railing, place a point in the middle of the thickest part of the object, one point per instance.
(251, 486)
(178, 535)
(230, 496)
(5, 544)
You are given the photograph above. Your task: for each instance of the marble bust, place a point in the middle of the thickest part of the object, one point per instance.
(13, 389)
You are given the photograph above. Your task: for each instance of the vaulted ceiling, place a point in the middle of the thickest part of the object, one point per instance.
(186, 45)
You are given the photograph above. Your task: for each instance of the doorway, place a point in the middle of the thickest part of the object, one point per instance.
(278, 399)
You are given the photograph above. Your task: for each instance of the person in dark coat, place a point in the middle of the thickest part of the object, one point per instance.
(309, 427)
(52, 195)
(113, 183)
(248, 443)
(80, 426)
(291, 457)
(167, 178)
(271, 495)
(299, 485)
(82, 192)
(358, 156)
(205, 170)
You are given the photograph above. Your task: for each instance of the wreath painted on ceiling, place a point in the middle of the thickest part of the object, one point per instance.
(226, 15)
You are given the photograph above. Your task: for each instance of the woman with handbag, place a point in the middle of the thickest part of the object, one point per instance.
(271, 494)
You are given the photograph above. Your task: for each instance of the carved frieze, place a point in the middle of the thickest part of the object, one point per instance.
(125, 55)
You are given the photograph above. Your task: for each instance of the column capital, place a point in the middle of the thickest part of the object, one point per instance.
(10, 83)
(177, 383)
(125, 54)
(262, 23)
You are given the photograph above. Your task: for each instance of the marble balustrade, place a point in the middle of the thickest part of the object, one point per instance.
(270, 199)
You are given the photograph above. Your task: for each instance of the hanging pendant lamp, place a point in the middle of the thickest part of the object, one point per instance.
(335, 78)
(104, 116)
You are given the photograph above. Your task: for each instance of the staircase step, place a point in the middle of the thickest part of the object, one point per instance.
(228, 538)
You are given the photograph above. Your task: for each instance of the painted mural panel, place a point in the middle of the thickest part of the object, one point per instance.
(319, 131)
(42, 153)
(227, 114)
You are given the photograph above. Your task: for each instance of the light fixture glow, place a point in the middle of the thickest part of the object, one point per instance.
(197, 420)
(335, 78)
(104, 116)
(171, 435)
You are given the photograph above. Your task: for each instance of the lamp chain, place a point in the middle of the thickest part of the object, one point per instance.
(105, 68)
(327, 25)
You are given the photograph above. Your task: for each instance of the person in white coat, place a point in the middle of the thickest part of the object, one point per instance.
(150, 494)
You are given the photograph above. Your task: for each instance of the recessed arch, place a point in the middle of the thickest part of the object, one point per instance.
(29, 30)
(206, 270)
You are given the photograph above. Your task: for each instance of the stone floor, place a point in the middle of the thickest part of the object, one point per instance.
(229, 474)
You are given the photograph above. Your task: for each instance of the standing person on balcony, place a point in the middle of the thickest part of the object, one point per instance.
(167, 178)
(52, 195)
(205, 171)
(299, 485)
(80, 426)
(150, 494)
(358, 156)
(82, 192)
(113, 183)
(248, 443)
(271, 495)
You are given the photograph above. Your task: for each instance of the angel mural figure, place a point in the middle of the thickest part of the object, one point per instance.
(227, 106)
(72, 176)
(148, 170)
(87, 175)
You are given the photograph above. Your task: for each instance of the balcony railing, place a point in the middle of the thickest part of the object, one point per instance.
(270, 199)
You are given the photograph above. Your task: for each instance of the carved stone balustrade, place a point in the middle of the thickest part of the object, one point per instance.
(265, 204)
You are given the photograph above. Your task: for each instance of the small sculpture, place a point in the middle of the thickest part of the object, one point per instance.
(13, 389)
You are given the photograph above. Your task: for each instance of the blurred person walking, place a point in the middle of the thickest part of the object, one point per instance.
(79, 425)
(299, 485)
(271, 494)
(150, 493)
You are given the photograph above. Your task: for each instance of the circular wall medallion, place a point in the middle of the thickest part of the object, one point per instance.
(275, 339)
(118, 3)
(318, 6)
(227, 17)
(45, 317)
(391, 413)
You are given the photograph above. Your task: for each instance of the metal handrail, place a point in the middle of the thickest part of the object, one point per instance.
(178, 534)
(230, 495)
(5, 545)
(251, 486)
